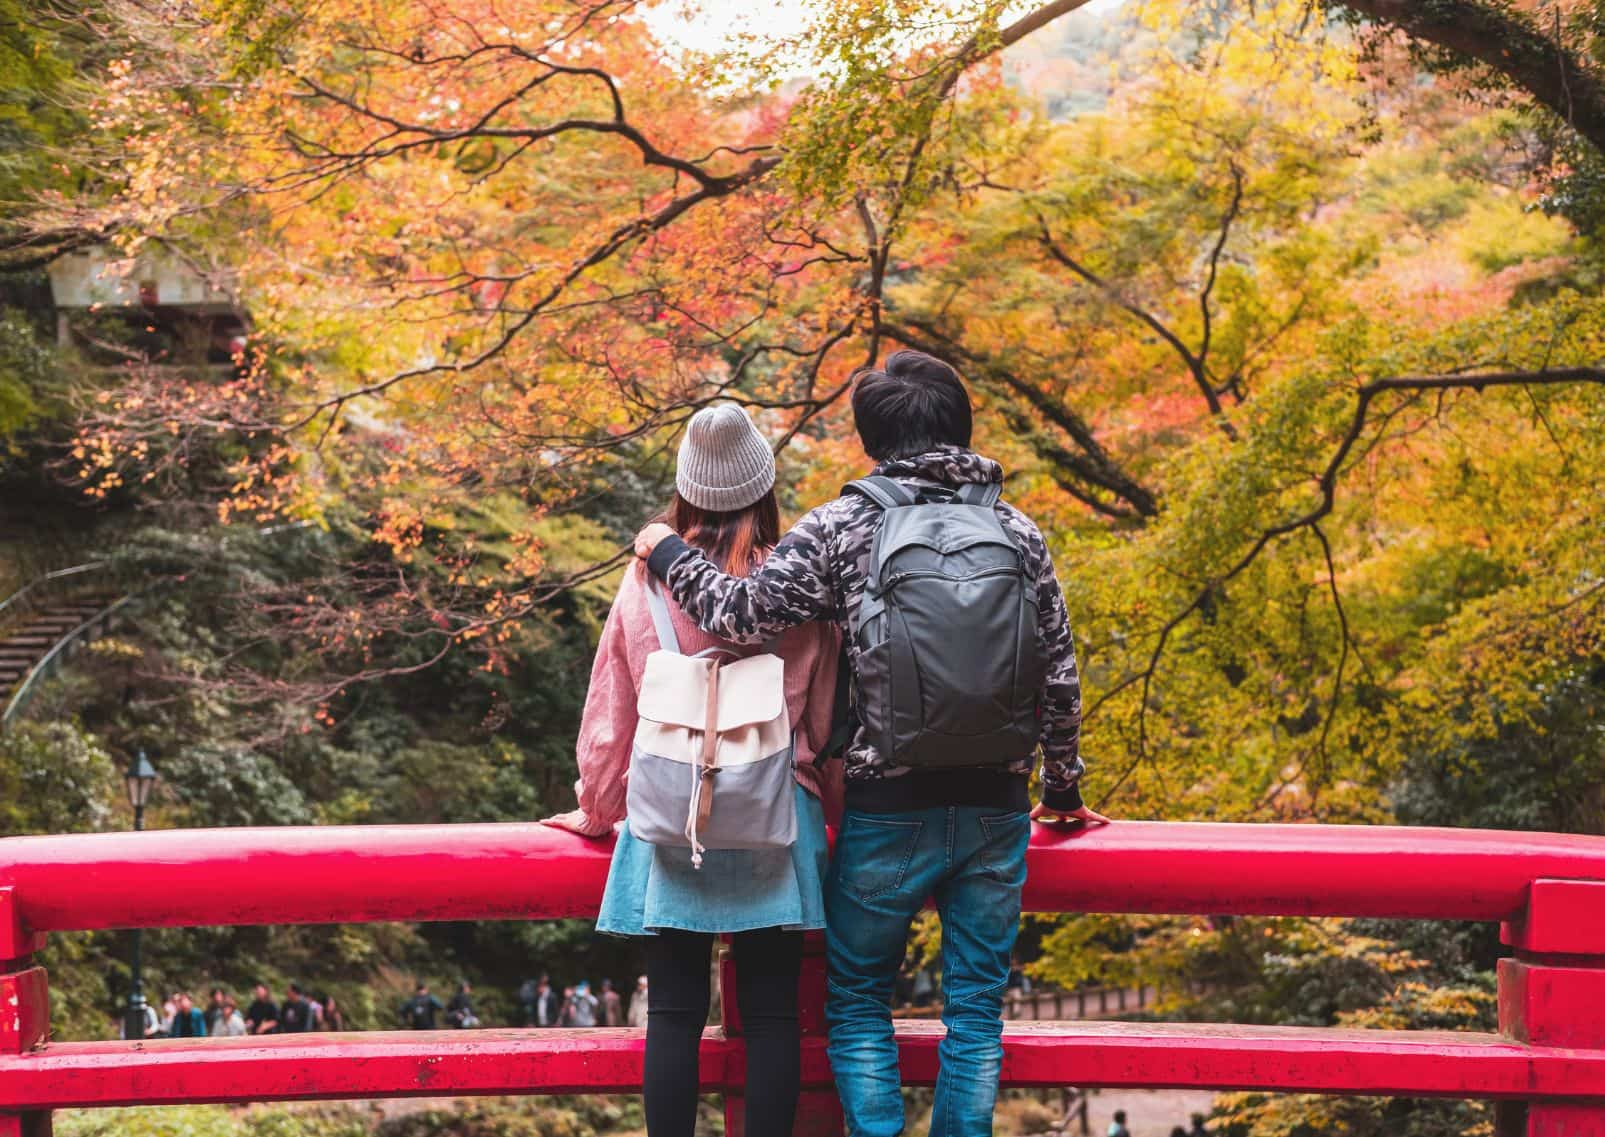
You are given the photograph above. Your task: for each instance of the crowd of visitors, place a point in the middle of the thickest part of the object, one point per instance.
(300, 1011)
(539, 1004)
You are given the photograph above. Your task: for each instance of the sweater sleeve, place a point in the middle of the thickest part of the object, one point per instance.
(791, 587)
(607, 727)
(1061, 698)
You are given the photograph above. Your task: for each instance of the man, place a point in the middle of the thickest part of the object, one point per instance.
(262, 1016)
(419, 1011)
(295, 1017)
(1117, 1127)
(152, 1027)
(638, 1004)
(188, 1022)
(581, 1009)
(612, 1005)
(460, 1011)
(548, 1003)
(526, 1002)
(957, 833)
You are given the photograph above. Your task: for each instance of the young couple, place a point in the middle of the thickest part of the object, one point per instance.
(954, 830)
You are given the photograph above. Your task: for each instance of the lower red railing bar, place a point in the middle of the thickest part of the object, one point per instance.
(417, 1063)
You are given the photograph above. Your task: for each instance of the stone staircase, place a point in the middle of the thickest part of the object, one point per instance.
(21, 649)
(41, 622)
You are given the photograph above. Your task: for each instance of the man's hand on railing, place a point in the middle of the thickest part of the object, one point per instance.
(1085, 814)
(576, 821)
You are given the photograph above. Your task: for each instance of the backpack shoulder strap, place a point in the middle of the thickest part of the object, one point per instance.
(843, 716)
(659, 607)
(884, 492)
(977, 493)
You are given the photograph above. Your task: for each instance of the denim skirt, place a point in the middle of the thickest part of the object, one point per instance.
(654, 887)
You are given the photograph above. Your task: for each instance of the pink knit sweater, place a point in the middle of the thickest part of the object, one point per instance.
(608, 726)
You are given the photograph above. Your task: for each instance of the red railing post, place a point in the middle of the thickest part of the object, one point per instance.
(24, 1009)
(819, 1112)
(1552, 993)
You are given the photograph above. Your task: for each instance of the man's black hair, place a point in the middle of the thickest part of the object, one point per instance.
(913, 403)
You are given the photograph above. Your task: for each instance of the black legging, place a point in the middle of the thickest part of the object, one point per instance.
(677, 968)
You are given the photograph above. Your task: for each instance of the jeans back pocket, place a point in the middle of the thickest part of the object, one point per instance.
(875, 853)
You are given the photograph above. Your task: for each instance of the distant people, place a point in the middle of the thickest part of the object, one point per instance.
(1117, 1127)
(214, 1009)
(317, 1010)
(1198, 1129)
(262, 1016)
(169, 1013)
(296, 1015)
(460, 1011)
(419, 1011)
(1178, 1131)
(924, 988)
(548, 1003)
(229, 1022)
(581, 1005)
(334, 1016)
(638, 1004)
(612, 1005)
(188, 1021)
(567, 1017)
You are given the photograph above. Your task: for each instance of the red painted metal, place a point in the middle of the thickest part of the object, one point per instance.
(1552, 1006)
(24, 1011)
(1562, 917)
(199, 877)
(819, 1112)
(16, 942)
(333, 874)
(418, 1063)
(1548, 1119)
(1548, 889)
(25, 1125)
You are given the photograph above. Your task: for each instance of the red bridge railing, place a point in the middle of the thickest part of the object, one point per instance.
(1546, 1066)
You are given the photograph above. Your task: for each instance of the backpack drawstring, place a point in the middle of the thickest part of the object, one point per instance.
(701, 808)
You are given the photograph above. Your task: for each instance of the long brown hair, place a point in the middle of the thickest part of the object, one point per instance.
(735, 541)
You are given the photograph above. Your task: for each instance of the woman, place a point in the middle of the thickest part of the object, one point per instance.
(334, 1015)
(724, 505)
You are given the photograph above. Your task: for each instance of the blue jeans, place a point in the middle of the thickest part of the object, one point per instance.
(972, 861)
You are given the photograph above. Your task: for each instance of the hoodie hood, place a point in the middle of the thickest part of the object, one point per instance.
(949, 465)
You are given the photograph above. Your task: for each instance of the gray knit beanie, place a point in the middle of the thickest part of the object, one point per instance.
(725, 464)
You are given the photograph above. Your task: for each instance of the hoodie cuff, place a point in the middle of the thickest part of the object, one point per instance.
(669, 550)
(1063, 801)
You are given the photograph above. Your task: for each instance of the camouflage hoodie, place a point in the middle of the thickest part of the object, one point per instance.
(817, 572)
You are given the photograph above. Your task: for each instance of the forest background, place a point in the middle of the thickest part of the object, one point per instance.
(1283, 317)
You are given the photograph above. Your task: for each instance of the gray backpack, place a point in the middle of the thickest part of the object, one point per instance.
(950, 666)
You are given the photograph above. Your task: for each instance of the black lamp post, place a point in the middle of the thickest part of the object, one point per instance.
(140, 779)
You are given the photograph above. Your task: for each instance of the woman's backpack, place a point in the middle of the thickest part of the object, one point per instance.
(950, 665)
(711, 765)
